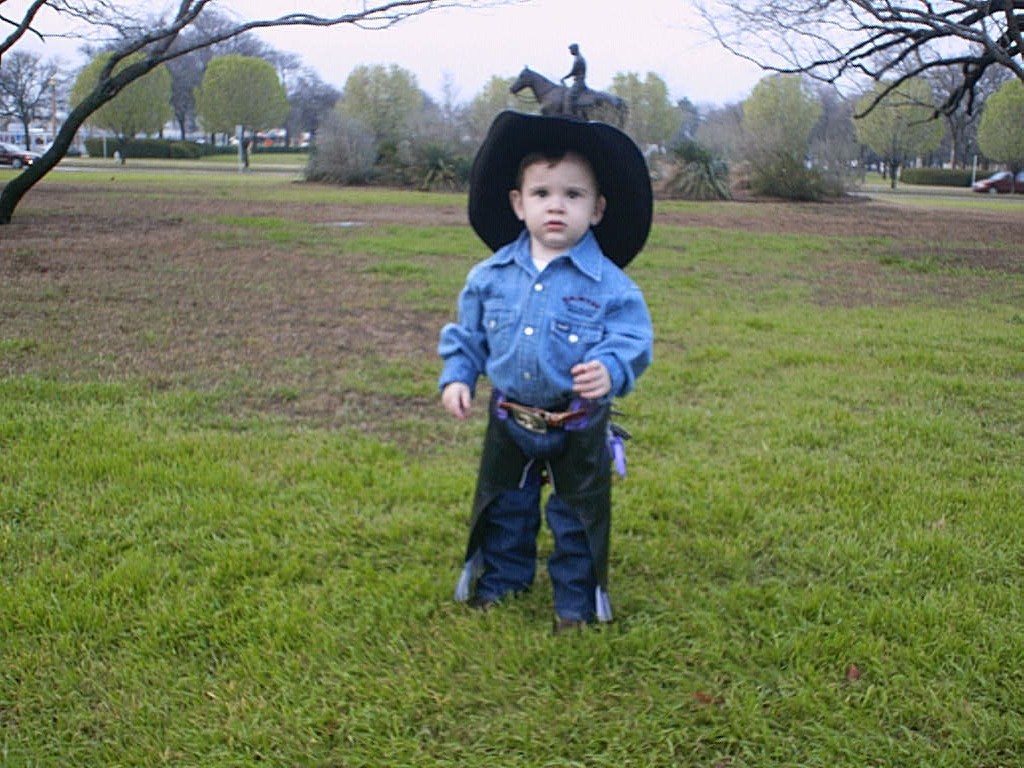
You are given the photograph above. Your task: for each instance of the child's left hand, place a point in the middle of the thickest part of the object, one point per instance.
(591, 380)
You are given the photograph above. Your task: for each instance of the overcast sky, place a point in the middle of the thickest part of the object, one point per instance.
(473, 44)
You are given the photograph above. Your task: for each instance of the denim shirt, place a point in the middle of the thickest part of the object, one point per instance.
(525, 330)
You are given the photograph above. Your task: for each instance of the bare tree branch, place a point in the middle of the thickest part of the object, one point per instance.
(854, 40)
(20, 27)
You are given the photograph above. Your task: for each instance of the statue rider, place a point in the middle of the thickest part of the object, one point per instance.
(578, 73)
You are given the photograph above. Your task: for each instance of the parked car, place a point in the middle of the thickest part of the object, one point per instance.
(16, 156)
(1002, 182)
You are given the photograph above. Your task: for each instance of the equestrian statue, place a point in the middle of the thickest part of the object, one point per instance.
(577, 100)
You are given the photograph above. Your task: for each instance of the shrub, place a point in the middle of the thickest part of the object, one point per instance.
(344, 153)
(275, 149)
(696, 174)
(441, 167)
(787, 178)
(939, 177)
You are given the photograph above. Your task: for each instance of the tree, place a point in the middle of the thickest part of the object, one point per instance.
(155, 39)
(779, 115)
(188, 69)
(27, 86)
(142, 107)
(721, 131)
(961, 125)
(493, 98)
(833, 142)
(689, 115)
(899, 126)
(186, 75)
(778, 118)
(311, 99)
(385, 99)
(652, 117)
(878, 39)
(1001, 132)
(451, 113)
(239, 91)
(440, 155)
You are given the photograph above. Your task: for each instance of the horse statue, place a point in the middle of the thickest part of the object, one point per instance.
(554, 98)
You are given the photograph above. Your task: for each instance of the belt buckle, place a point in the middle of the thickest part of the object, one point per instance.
(534, 422)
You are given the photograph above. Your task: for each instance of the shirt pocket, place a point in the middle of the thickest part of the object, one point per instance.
(581, 307)
(498, 322)
(572, 340)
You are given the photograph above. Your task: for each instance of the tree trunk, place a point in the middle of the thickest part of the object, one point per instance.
(243, 151)
(17, 187)
(28, 135)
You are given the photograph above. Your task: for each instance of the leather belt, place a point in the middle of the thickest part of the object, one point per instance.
(537, 419)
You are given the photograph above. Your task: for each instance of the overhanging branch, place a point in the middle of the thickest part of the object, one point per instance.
(846, 40)
(157, 43)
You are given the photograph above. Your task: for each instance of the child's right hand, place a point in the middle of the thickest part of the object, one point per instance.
(457, 399)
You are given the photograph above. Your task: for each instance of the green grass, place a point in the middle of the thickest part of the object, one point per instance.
(816, 557)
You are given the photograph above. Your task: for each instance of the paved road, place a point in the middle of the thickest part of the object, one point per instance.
(178, 166)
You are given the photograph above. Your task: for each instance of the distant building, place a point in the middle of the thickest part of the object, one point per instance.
(14, 133)
(40, 136)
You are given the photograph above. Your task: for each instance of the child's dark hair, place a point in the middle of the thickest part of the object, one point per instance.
(551, 156)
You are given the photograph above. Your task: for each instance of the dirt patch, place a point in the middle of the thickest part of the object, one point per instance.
(963, 250)
(137, 285)
(115, 289)
(861, 217)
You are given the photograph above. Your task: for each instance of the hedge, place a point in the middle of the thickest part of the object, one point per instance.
(152, 148)
(938, 177)
(176, 149)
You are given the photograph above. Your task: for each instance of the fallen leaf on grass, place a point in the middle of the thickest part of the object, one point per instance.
(707, 699)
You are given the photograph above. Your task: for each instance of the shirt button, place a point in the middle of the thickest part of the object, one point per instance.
(538, 287)
(526, 375)
(573, 338)
(528, 331)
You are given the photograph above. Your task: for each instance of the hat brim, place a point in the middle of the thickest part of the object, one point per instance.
(621, 172)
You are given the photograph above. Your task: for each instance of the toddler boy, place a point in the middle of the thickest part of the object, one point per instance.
(559, 329)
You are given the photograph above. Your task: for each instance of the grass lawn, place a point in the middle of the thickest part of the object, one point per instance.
(232, 513)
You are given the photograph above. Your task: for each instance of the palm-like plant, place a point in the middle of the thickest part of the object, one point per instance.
(699, 175)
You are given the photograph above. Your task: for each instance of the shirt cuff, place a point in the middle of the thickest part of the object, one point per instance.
(454, 371)
(617, 375)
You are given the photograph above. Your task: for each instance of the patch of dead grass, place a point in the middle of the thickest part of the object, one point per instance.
(139, 286)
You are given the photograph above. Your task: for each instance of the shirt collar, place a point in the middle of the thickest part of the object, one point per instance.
(586, 255)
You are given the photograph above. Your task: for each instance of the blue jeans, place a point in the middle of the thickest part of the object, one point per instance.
(509, 549)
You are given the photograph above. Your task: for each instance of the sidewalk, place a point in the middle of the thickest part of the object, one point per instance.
(294, 165)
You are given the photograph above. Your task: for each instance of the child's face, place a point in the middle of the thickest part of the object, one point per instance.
(558, 203)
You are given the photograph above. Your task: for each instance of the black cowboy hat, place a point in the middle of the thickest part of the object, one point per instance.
(621, 172)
